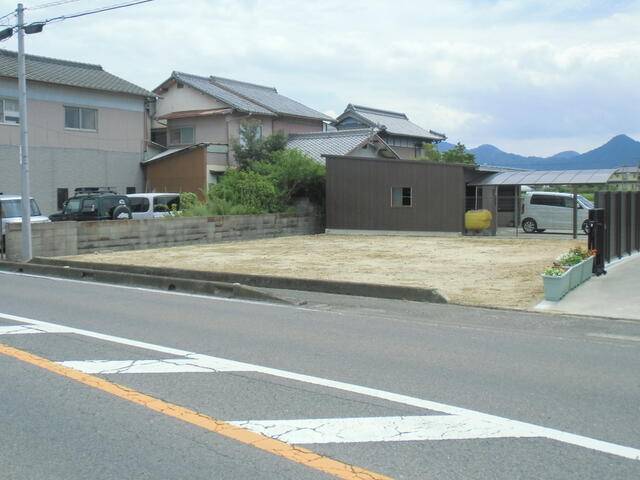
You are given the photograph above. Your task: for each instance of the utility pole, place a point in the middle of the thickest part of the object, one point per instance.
(27, 251)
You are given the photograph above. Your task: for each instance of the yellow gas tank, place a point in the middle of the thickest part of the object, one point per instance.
(477, 219)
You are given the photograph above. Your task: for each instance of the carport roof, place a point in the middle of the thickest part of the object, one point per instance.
(545, 177)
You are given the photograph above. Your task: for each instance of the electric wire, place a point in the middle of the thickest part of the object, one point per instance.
(91, 12)
(51, 4)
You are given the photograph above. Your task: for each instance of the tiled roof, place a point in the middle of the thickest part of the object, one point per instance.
(205, 85)
(328, 143)
(270, 98)
(63, 72)
(394, 122)
(248, 97)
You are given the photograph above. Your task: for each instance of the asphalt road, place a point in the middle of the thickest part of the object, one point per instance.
(453, 392)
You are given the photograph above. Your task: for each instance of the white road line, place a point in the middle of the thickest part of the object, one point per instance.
(24, 329)
(383, 429)
(538, 431)
(193, 364)
(631, 338)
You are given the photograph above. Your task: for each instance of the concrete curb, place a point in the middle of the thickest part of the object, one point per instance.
(394, 292)
(159, 282)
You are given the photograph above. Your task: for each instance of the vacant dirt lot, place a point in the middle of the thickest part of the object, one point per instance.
(473, 271)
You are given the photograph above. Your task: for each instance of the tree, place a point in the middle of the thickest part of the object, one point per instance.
(430, 153)
(250, 147)
(459, 154)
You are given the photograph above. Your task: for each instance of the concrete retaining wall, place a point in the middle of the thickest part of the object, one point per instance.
(73, 238)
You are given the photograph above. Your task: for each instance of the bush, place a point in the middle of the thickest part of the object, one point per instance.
(243, 192)
(188, 200)
(294, 175)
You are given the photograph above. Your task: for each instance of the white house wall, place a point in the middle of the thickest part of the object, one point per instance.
(63, 158)
(186, 98)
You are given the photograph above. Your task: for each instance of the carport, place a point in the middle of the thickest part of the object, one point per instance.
(487, 184)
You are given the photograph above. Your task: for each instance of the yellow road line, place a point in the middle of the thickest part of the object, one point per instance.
(242, 435)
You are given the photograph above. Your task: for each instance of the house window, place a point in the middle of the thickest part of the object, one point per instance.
(79, 118)
(182, 136)
(131, 190)
(63, 196)
(10, 111)
(401, 197)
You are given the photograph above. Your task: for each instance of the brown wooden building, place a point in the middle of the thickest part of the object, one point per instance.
(395, 195)
(178, 170)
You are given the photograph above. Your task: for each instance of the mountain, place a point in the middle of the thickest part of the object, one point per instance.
(621, 150)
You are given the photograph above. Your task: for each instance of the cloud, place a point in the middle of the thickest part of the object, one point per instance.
(528, 72)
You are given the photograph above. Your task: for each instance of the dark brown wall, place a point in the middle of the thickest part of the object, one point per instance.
(359, 195)
(183, 172)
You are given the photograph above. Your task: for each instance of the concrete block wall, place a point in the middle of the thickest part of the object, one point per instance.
(74, 238)
(248, 227)
(48, 240)
(140, 234)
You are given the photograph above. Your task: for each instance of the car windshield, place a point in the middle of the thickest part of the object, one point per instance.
(13, 208)
(586, 203)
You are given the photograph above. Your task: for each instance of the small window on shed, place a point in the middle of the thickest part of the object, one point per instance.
(131, 190)
(401, 197)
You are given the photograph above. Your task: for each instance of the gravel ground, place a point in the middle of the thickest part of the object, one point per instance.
(468, 270)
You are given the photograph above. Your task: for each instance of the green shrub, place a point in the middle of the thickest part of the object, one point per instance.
(246, 191)
(294, 175)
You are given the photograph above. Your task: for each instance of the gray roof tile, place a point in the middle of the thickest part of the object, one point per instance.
(396, 123)
(270, 98)
(248, 97)
(328, 143)
(205, 85)
(63, 72)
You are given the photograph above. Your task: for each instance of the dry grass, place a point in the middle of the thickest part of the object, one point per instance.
(468, 270)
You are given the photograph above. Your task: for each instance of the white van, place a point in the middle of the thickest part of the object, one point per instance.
(11, 212)
(153, 205)
(552, 211)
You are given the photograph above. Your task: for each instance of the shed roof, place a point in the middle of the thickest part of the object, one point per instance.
(545, 177)
(64, 72)
(247, 97)
(171, 152)
(335, 143)
(395, 123)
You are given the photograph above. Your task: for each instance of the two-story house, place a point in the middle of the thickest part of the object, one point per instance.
(87, 128)
(405, 137)
(192, 110)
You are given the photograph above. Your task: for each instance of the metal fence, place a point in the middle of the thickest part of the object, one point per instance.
(622, 223)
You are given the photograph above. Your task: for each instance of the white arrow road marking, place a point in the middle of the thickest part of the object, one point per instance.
(537, 431)
(384, 429)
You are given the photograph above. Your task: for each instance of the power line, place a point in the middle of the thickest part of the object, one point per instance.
(7, 16)
(51, 4)
(98, 10)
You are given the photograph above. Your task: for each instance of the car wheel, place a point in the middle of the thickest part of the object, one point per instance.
(586, 227)
(121, 212)
(529, 225)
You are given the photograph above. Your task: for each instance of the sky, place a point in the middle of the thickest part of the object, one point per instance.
(533, 77)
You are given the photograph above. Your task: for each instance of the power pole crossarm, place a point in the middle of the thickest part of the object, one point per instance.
(27, 252)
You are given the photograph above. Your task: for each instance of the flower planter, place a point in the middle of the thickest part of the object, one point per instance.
(556, 286)
(575, 276)
(587, 269)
